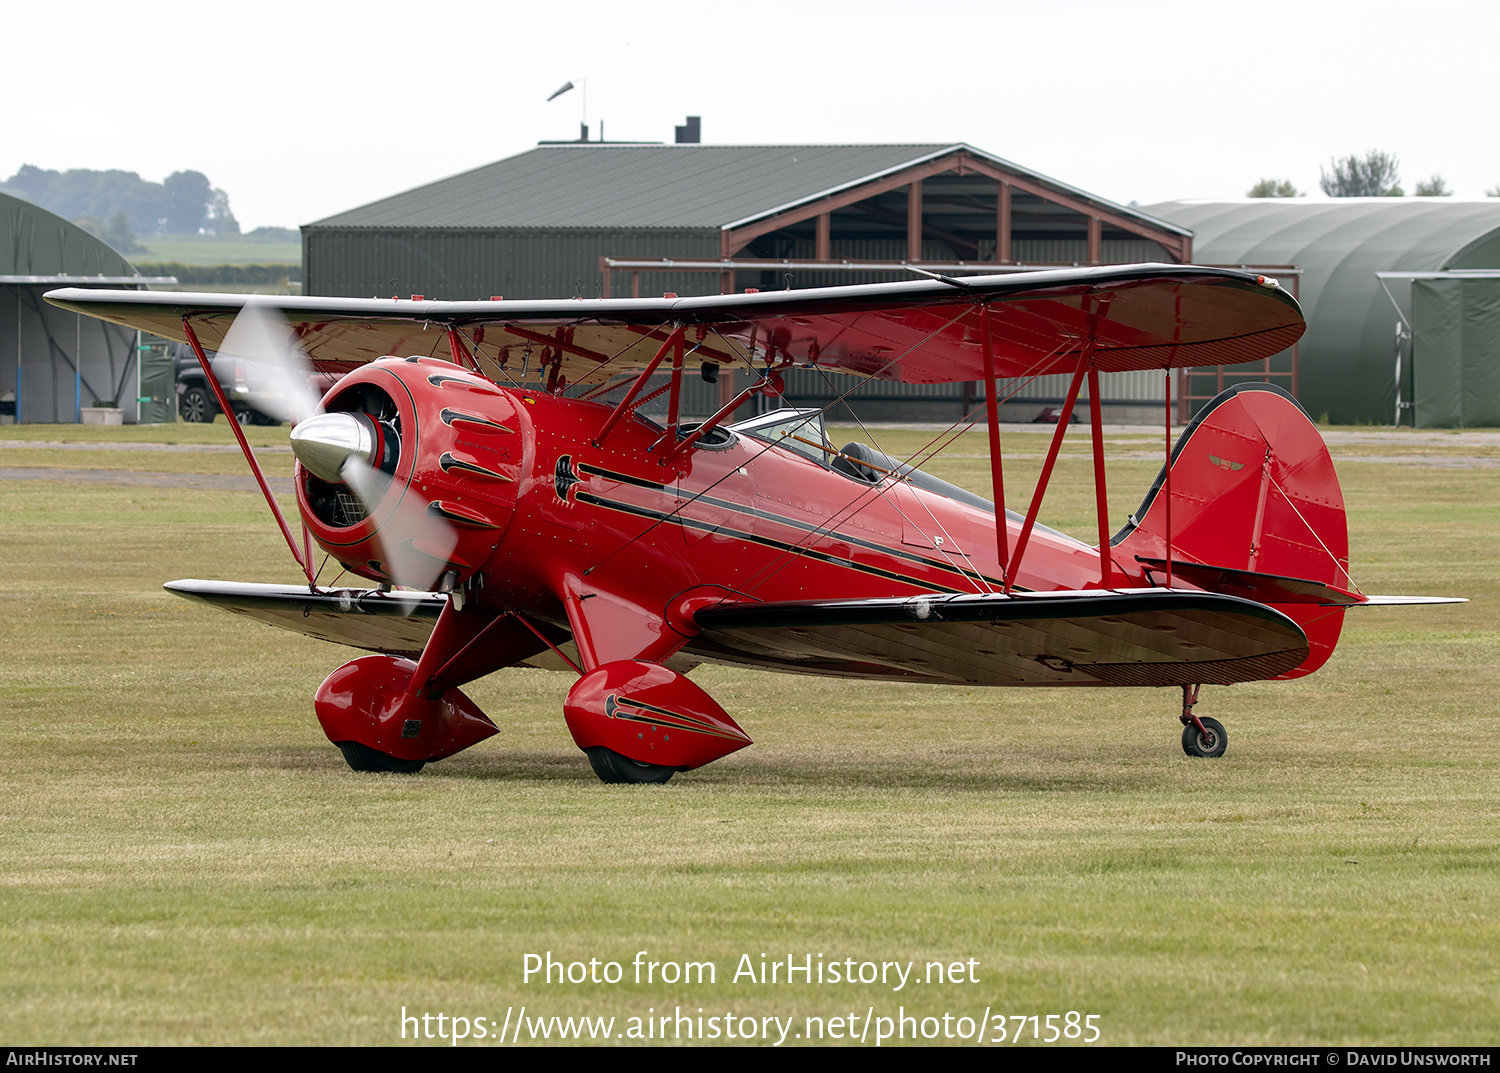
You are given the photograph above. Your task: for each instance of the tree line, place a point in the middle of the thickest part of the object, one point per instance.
(221, 275)
(116, 206)
(1376, 174)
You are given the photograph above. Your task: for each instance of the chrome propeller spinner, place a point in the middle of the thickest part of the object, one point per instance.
(327, 443)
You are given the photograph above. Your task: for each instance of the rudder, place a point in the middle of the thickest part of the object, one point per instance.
(1253, 489)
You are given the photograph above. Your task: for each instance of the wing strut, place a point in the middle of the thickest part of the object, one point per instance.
(1046, 474)
(997, 468)
(673, 341)
(713, 422)
(674, 400)
(1096, 312)
(239, 434)
(1101, 499)
(1167, 394)
(461, 355)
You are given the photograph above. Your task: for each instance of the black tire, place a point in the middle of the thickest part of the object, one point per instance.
(611, 767)
(1212, 744)
(258, 417)
(197, 405)
(245, 416)
(361, 757)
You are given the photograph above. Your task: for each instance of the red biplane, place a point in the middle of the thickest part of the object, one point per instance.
(508, 515)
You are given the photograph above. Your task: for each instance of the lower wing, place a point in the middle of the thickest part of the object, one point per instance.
(1143, 637)
(394, 622)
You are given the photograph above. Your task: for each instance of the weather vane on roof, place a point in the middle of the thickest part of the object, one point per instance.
(583, 121)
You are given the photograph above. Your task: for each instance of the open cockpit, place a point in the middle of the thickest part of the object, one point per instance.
(804, 432)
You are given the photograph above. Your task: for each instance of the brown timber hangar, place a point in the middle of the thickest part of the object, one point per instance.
(601, 219)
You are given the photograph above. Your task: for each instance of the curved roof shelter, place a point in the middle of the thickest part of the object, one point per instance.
(53, 363)
(35, 242)
(1347, 357)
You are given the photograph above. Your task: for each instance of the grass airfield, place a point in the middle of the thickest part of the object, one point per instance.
(184, 859)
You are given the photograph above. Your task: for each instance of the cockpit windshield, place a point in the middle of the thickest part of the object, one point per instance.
(796, 430)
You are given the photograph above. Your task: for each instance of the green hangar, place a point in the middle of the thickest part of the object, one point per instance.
(1377, 273)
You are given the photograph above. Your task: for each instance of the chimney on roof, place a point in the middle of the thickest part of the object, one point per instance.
(583, 132)
(690, 133)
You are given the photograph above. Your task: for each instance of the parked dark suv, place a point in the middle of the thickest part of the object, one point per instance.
(254, 402)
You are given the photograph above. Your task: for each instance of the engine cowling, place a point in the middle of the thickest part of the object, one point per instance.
(440, 454)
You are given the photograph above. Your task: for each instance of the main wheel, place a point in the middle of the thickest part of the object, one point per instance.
(611, 767)
(196, 405)
(1212, 743)
(361, 757)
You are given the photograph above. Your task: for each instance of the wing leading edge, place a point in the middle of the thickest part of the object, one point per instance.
(397, 623)
(1143, 637)
(1148, 316)
(394, 622)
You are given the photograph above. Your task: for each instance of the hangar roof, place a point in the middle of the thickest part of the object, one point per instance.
(1413, 233)
(35, 242)
(660, 186)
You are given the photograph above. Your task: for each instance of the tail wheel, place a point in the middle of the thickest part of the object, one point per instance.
(611, 767)
(361, 757)
(1210, 741)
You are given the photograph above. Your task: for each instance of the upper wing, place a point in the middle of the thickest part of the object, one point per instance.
(1148, 316)
(1141, 637)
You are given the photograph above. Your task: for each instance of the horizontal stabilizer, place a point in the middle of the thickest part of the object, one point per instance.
(1137, 637)
(1249, 585)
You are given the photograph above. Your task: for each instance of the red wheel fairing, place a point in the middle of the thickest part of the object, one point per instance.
(651, 715)
(366, 700)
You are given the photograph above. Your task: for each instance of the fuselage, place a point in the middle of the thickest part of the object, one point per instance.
(547, 519)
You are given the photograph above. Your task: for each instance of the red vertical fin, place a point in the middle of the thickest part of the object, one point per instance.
(1251, 481)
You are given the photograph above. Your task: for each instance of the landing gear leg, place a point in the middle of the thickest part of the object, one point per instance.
(1201, 736)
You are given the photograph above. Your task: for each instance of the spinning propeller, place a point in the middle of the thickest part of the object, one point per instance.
(356, 446)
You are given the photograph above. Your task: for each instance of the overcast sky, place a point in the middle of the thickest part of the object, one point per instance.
(303, 109)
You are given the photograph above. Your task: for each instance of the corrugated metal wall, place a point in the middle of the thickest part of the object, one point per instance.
(473, 264)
